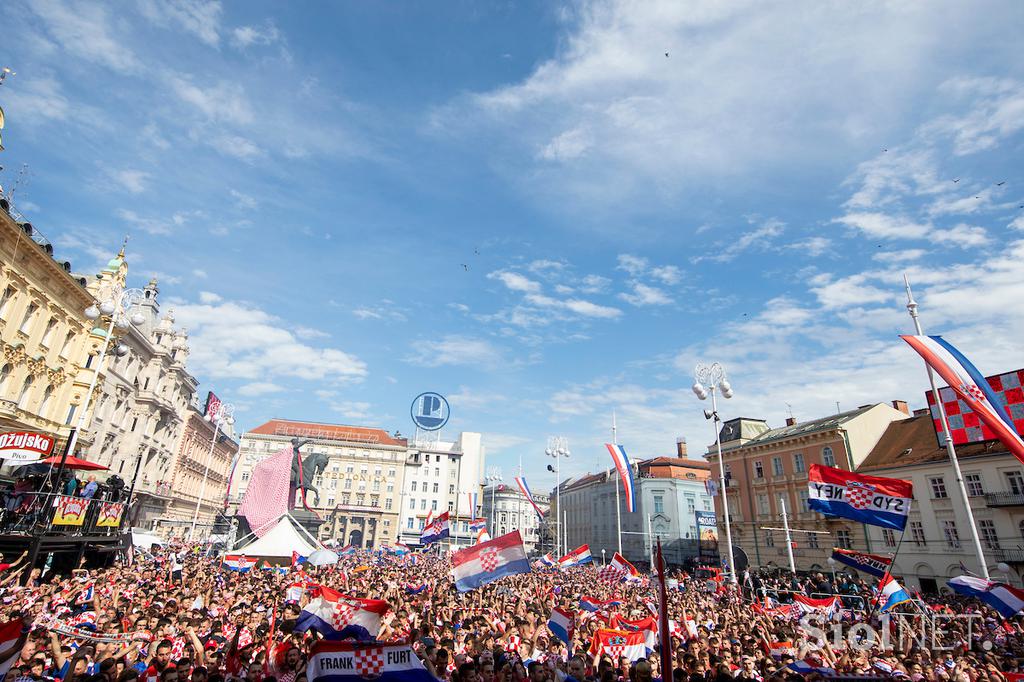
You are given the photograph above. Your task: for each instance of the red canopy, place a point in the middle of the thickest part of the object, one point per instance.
(74, 463)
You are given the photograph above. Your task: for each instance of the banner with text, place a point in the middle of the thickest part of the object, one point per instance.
(70, 511)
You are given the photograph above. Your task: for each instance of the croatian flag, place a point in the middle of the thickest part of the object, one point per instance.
(297, 559)
(805, 668)
(484, 563)
(416, 589)
(525, 490)
(332, 612)
(577, 557)
(625, 472)
(617, 643)
(238, 562)
(477, 525)
(872, 564)
(398, 549)
(13, 634)
(548, 560)
(617, 569)
(472, 501)
(1007, 600)
(561, 625)
(87, 594)
(970, 386)
(826, 606)
(436, 530)
(346, 550)
(872, 500)
(891, 593)
(350, 662)
(594, 605)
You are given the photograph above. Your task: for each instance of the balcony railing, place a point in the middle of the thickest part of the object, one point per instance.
(32, 513)
(1010, 556)
(1005, 499)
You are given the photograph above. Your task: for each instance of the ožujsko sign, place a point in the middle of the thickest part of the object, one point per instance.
(24, 446)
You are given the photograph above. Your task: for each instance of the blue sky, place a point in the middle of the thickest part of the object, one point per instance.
(543, 211)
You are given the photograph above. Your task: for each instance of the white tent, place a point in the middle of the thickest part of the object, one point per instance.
(145, 540)
(283, 539)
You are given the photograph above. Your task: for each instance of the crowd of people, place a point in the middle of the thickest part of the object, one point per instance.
(177, 616)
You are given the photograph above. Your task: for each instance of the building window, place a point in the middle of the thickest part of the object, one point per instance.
(451, 489)
(777, 466)
(348, 484)
(803, 495)
(974, 487)
(245, 476)
(938, 485)
(26, 391)
(988, 533)
(376, 486)
(71, 414)
(917, 534)
(798, 463)
(762, 505)
(5, 375)
(414, 486)
(451, 474)
(5, 300)
(951, 533)
(843, 539)
(1015, 479)
(330, 501)
(435, 488)
(412, 503)
(433, 505)
(828, 457)
(48, 334)
(888, 537)
(26, 322)
(349, 469)
(423, 505)
(44, 405)
(812, 540)
(706, 504)
(659, 504)
(387, 504)
(451, 507)
(387, 523)
(758, 469)
(391, 472)
(769, 539)
(374, 500)
(409, 523)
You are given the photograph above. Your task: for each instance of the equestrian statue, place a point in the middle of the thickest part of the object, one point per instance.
(303, 473)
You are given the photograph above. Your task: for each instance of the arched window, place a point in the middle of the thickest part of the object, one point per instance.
(827, 457)
(5, 374)
(44, 406)
(26, 390)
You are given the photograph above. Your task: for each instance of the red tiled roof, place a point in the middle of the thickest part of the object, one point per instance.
(340, 432)
(676, 462)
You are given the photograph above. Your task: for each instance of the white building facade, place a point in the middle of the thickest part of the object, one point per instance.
(443, 476)
(507, 509)
(938, 538)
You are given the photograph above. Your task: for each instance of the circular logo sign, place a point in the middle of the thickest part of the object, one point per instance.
(429, 411)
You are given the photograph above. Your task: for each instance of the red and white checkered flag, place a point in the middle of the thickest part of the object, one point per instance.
(266, 498)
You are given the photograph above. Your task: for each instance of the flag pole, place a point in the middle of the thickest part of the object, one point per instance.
(950, 448)
(618, 508)
(663, 632)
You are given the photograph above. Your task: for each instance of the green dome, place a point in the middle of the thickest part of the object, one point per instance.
(115, 263)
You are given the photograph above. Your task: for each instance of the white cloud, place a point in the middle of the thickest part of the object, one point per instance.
(385, 310)
(634, 265)
(454, 350)
(850, 291)
(243, 201)
(963, 235)
(37, 98)
(152, 134)
(567, 146)
(906, 255)
(884, 226)
(997, 112)
(199, 274)
(1017, 223)
(545, 265)
(575, 305)
(238, 340)
(246, 36)
(812, 246)
(643, 295)
(130, 179)
(201, 18)
(259, 388)
(224, 102)
(514, 281)
(209, 298)
(668, 274)
(594, 284)
(85, 30)
(309, 333)
(353, 410)
(237, 146)
(147, 225)
(760, 237)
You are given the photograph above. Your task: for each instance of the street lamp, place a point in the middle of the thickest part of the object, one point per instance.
(711, 379)
(603, 563)
(832, 564)
(494, 478)
(116, 312)
(220, 414)
(558, 447)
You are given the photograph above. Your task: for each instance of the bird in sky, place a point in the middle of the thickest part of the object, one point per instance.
(464, 267)
(666, 54)
(956, 181)
(1000, 184)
